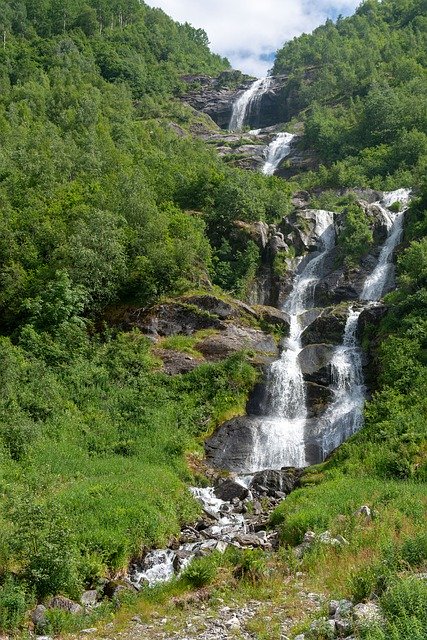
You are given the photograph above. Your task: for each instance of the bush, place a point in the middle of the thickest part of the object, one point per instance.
(251, 565)
(201, 571)
(13, 605)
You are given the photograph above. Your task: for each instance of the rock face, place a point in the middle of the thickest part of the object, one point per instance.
(220, 450)
(216, 97)
(271, 481)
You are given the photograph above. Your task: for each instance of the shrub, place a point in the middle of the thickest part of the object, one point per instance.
(201, 571)
(251, 565)
(13, 605)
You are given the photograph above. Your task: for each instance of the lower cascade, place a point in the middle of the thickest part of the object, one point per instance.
(285, 433)
(281, 438)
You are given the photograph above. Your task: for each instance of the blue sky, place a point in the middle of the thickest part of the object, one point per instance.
(248, 32)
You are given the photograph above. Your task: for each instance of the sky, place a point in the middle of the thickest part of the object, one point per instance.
(248, 32)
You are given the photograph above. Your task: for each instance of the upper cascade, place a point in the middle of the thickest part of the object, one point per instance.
(249, 102)
(376, 282)
(277, 151)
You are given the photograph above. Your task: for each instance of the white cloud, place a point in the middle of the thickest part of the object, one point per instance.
(244, 30)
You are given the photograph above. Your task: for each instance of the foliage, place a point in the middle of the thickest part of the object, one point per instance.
(363, 81)
(201, 571)
(13, 605)
(355, 237)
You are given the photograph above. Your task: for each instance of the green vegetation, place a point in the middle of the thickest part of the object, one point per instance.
(362, 85)
(105, 203)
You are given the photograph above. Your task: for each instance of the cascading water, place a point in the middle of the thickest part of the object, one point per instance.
(276, 152)
(345, 415)
(280, 439)
(376, 282)
(249, 102)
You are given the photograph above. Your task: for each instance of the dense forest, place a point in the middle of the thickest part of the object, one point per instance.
(107, 200)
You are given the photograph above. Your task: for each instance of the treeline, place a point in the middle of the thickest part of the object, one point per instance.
(363, 83)
(93, 180)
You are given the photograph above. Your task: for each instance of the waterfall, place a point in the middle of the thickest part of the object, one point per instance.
(248, 103)
(376, 282)
(280, 439)
(276, 152)
(345, 415)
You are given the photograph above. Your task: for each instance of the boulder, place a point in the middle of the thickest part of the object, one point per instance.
(38, 617)
(170, 319)
(315, 361)
(272, 481)
(367, 613)
(233, 339)
(61, 602)
(89, 598)
(327, 328)
(228, 489)
(177, 362)
(318, 397)
(232, 445)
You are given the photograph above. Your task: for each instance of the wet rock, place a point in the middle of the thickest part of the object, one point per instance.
(314, 360)
(257, 401)
(229, 489)
(271, 481)
(300, 231)
(326, 329)
(216, 97)
(60, 602)
(318, 397)
(232, 444)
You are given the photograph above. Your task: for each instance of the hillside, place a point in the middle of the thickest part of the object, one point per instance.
(142, 282)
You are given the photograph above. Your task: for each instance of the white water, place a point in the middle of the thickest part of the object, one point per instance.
(160, 565)
(376, 282)
(248, 102)
(277, 151)
(345, 415)
(280, 439)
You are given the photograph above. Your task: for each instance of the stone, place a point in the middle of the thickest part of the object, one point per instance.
(343, 609)
(89, 598)
(326, 330)
(343, 627)
(271, 481)
(89, 631)
(235, 338)
(367, 613)
(364, 511)
(232, 444)
(61, 602)
(38, 616)
(229, 489)
(314, 358)
(233, 623)
(318, 397)
(221, 546)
